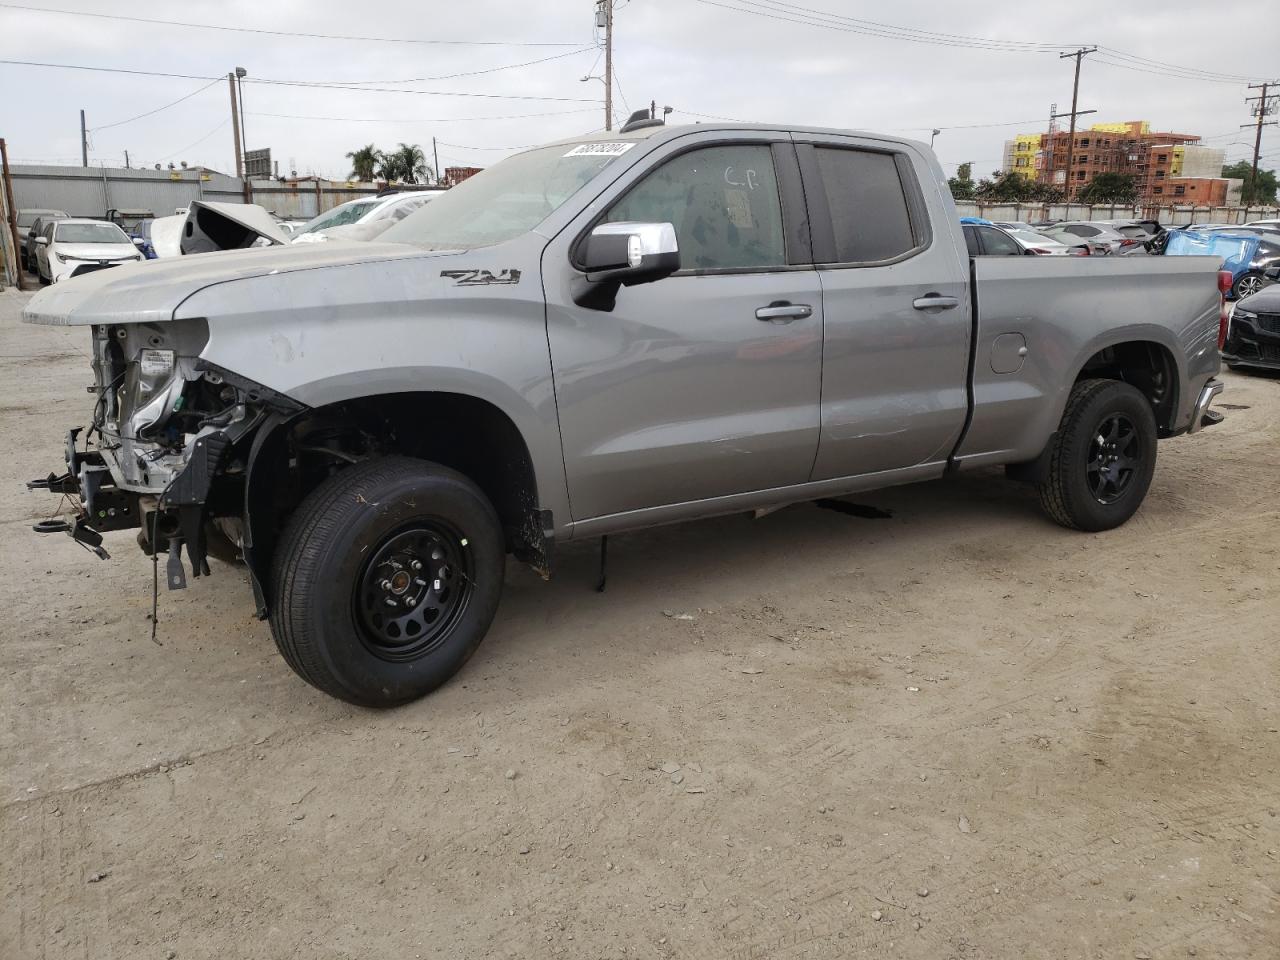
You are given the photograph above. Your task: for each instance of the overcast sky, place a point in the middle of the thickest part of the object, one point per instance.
(694, 55)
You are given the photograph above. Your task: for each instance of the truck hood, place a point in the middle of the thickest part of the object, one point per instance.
(150, 291)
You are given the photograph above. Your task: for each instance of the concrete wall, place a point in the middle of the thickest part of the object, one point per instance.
(1168, 215)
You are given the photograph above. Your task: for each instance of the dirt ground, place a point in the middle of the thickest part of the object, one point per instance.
(959, 732)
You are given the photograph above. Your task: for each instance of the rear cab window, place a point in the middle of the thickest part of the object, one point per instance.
(874, 210)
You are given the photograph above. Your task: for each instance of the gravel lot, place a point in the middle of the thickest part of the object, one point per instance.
(956, 732)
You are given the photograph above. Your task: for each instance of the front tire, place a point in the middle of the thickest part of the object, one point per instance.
(386, 580)
(1103, 457)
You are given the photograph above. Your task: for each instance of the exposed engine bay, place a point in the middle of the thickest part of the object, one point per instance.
(161, 452)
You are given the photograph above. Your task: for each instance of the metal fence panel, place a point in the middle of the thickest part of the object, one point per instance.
(92, 191)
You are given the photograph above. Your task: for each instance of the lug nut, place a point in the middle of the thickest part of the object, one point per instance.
(416, 565)
(409, 601)
(389, 602)
(385, 584)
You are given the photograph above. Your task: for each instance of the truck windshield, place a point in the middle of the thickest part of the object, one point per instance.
(508, 199)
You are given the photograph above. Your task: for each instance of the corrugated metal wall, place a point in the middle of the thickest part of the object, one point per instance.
(92, 191)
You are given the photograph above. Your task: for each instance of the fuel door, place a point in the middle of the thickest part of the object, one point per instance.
(1007, 353)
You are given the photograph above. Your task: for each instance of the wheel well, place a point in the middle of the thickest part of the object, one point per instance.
(1144, 364)
(466, 434)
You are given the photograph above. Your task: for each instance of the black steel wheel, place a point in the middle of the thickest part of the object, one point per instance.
(386, 579)
(1115, 458)
(414, 588)
(1102, 458)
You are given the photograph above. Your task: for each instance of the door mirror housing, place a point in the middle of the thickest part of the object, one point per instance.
(42, 241)
(631, 253)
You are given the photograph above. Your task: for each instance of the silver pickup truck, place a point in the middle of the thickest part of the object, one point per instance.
(595, 336)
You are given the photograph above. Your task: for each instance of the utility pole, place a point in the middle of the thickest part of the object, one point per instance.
(607, 7)
(84, 142)
(241, 73)
(235, 133)
(1071, 130)
(13, 214)
(126, 160)
(435, 157)
(1263, 110)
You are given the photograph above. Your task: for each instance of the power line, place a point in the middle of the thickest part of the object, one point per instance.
(198, 142)
(120, 123)
(468, 146)
(313, 84)
(509, 116)
(285, 33)
(476, 73)
(801, 15)
(813, 17)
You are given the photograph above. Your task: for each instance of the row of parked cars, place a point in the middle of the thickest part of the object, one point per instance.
(1248, 250)
(56, 245)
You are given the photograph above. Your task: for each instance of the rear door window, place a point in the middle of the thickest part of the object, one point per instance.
(870, 215)
(971, 241)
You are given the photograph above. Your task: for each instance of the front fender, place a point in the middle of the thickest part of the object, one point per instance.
(405, 325)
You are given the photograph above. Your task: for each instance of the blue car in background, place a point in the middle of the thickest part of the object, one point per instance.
(141, 236)
(1247, 253)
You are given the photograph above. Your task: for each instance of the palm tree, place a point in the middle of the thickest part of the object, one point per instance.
(410, 164)
(364, 161)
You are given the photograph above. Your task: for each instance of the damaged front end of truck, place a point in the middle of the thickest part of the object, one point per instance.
(167, 449)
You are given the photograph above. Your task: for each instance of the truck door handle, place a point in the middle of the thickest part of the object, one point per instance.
(783, 311)
(934, 301)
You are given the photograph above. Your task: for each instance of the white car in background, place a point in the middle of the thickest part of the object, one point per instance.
(364, 218)
(68, 248)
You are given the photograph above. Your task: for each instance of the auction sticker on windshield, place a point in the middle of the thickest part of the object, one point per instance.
(616, 149)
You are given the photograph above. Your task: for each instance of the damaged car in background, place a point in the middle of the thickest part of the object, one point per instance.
(595, 336)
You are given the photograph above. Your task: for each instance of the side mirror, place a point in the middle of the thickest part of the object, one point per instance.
(138, 242)
(630, 253)
(43, 241)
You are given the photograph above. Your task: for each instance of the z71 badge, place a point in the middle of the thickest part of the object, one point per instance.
(476, 278)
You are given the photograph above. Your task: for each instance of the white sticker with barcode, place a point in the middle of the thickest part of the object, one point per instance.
(156, 363)
(615, 149)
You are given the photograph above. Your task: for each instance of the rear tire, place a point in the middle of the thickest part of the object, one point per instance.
(1248, 285)
(386, 580)
(1103, 458)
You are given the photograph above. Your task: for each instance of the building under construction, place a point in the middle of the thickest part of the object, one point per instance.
(1167, 167)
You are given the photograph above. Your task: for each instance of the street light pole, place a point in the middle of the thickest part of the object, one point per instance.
(936, 131)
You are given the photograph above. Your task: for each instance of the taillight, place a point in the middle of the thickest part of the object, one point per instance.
(1224, 315)
(1079, 251)
(1128, 242)
(1043, 253)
